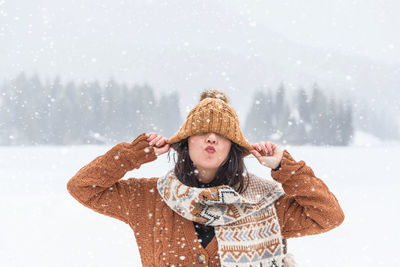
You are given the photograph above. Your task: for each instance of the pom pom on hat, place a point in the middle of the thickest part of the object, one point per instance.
(212, 93)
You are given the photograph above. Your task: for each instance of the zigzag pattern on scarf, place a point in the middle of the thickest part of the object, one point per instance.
(261, 240)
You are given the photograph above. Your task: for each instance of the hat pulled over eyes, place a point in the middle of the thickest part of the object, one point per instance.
(212, 114)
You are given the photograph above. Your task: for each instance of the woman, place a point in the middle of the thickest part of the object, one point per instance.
(207, 211)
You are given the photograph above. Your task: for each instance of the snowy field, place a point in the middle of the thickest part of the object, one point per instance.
(42, 225)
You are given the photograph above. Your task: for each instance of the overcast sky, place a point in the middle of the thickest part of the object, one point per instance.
(367, 27)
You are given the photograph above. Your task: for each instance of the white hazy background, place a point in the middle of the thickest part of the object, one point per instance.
(351, 48)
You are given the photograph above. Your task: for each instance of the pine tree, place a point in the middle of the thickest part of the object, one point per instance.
(35, 108)
(302, 122)
(254, 125)
(282, 113)
(318, 117)
(348, 130)
(69, 116)
(7, 127)
(269, 114)
(305, 110)
(167, 108)
(54, 126)
(331, 117)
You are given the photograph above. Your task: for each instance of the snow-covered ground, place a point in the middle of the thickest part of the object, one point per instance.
(42, 225)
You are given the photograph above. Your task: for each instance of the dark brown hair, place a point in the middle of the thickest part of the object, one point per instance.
(230, 173)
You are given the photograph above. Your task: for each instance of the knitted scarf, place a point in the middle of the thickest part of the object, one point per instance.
(246, 225)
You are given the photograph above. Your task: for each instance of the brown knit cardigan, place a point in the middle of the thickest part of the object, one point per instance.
(166, 239)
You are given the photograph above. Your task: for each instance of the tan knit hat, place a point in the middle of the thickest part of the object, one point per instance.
(212, 114)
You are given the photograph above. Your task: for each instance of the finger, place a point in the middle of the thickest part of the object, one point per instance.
(256, 147)
(269, 147)
(157, 140)
(154, 136)
(264, 150)
(151, 136)
(161, 142)
(151, 142)
(255, 153)
(162, 150)
(154, 140)
(275, 147)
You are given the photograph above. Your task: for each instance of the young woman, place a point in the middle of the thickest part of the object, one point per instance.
(207, 210)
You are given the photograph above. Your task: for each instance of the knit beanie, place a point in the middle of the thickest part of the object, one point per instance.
(212, 114)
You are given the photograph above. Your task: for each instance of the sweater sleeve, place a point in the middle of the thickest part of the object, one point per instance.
(308, 207)
(97, 185)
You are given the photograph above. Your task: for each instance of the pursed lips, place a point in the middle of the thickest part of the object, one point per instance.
(210, 149)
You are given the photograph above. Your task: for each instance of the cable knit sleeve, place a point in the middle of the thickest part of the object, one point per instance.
(97, 185)
(308, 207)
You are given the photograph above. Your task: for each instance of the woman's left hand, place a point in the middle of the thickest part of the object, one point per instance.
(268, 154)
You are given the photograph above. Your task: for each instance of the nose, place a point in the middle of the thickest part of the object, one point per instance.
(211, 137)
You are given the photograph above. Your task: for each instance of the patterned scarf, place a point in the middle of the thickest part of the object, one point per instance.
(246, 225)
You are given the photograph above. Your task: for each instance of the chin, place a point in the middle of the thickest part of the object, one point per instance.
(204, 182)
(210, 165)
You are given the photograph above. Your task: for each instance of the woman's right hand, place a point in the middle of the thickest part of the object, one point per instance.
(158, 142)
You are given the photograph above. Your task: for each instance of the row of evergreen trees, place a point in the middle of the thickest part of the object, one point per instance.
(314, 120)
(50, 113)
(35, 113)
